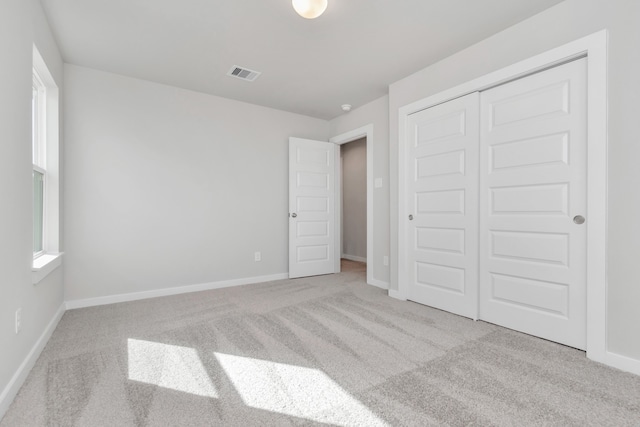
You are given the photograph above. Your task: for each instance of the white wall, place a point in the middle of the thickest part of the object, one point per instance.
(563, 23)
(377, 114)
(354, 198)
(166, 187)
(22, 24)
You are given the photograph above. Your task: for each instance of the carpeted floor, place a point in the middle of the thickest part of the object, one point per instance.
(326, 350)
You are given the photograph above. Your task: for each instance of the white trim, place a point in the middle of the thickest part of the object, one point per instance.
(354, 258)
(362, 132)
(397, 295)
(597, 174)
(39, 169)
(380, 284)
(594, 47)
(43, 265)
(623, 363)
(135, 296)
(18, 379)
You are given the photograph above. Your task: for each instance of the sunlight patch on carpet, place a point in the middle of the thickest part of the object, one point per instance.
(294, 390)
(169, 366)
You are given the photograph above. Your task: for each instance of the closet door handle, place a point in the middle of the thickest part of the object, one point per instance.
(579, 219)
(410, 217)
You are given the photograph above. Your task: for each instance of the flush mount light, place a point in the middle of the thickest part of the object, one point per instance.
(309, 9)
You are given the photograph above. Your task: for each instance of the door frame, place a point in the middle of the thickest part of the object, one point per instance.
(361, 132)
(594, 48)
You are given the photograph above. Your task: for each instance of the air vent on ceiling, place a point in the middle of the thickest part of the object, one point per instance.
(243, 73)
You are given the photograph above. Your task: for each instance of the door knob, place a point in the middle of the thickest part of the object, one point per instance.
(410, 217)
(294, 215)
(579, 219)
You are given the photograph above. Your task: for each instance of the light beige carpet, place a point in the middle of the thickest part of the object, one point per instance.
(327, 350)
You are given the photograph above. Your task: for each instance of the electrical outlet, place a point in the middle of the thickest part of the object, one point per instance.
(257, 256)
(385, 261)
(18, 320)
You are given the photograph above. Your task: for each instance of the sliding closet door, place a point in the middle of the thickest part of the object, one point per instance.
(442, 225)
(533, 204)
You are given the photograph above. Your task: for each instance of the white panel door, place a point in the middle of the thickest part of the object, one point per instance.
(532, 198)
(442, 202)
(311, 207)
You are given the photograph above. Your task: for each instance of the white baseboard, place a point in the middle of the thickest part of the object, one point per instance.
(11, 390)
(354, 258)
(135, 296)
(378, 283)
(397, 295)
(624, 363)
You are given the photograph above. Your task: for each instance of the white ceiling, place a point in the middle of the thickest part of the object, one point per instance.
(348, 55)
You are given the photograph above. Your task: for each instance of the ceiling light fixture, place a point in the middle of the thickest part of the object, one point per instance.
(309, 9)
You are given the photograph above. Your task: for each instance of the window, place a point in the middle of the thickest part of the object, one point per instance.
(45, 173)
(38, 144)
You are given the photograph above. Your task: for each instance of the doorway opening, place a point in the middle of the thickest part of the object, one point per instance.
(364, 133)
(353, 194)
(315, 206)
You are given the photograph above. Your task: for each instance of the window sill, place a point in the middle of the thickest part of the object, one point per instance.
(44, 265)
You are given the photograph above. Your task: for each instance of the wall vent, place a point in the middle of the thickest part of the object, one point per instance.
(243, 73)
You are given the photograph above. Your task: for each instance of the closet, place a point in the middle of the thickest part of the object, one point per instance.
(496, 190)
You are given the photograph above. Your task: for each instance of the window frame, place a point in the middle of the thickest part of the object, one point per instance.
(39, 152)
(45, 143)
